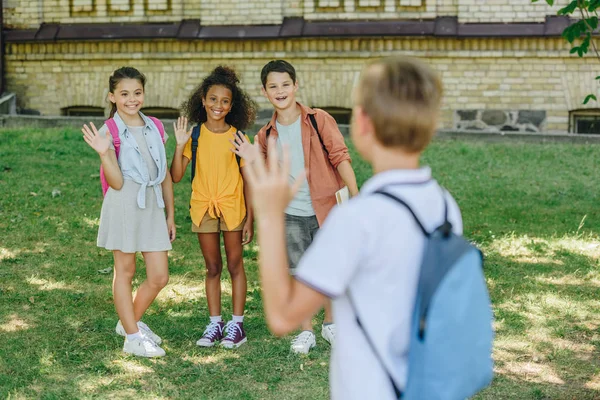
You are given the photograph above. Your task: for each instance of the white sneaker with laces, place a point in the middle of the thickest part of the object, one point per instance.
(328, 333)
(143, 347)
(305, 341)
(212, 335)
(144, 329)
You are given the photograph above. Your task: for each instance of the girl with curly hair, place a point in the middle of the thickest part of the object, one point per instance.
(220, 201)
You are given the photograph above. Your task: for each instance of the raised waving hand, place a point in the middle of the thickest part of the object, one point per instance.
(182, 134)
(243, 148)
(98, 142)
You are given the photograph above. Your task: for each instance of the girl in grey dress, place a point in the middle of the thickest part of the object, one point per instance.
(137, 211)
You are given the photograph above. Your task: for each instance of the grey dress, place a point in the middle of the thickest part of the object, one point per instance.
(124, 225)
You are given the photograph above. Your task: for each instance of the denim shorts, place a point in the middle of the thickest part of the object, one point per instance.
(299, 234)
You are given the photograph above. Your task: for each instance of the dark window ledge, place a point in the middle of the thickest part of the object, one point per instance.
(290, 28)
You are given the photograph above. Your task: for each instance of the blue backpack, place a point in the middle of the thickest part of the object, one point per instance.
(451, 335)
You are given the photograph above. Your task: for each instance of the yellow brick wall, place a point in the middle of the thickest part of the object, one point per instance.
(21, 13)
(516, 74)
(241, 12)
(371, 9)
(506, 10)
(30, 13)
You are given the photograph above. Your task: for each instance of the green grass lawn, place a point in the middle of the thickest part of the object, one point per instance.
(533, 209)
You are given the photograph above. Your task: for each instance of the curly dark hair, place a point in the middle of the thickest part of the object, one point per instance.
(243, 109)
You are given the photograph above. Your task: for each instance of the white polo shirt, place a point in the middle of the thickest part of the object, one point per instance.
(373, 248)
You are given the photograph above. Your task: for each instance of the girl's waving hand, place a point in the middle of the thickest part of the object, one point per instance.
(100, 143)
(244, 148)
(182, 135)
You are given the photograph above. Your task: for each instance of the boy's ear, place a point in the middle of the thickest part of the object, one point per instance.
(364, 122)
(263, 91)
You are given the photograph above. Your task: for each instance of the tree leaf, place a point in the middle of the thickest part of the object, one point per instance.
(569, 9)
(589, 97)
(574, 31)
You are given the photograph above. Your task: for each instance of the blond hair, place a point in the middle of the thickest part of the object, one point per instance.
(402, 96)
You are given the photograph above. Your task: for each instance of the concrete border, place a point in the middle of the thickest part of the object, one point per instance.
(47, 122)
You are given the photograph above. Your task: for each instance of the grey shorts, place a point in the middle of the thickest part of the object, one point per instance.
(299, 234)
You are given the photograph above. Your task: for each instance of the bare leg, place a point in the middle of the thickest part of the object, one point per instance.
(235, 265)
(123, 275)
(328, 312)
(210, 244)
(157, 276)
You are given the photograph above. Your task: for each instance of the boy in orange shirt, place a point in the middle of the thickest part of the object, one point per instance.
(317, 146)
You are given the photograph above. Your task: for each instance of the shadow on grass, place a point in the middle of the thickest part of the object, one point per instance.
(547, 314)
(57, 331)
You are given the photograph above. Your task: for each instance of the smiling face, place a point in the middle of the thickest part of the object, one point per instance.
(128, 96)
(280, 89)
(217, 102)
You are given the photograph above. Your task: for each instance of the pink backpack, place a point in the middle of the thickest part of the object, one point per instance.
(114, 132)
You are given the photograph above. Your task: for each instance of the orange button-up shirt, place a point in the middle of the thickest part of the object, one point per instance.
(323, 177)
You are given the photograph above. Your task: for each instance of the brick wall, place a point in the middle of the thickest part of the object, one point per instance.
(241, 12)
(511, 74)
(506, 10)
(31, 13)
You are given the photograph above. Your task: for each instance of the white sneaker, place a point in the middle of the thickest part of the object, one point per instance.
(305, 341)
(142, 347)
(328, 333)
(144, 329)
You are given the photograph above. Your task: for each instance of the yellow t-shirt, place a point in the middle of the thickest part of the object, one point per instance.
(218, 186)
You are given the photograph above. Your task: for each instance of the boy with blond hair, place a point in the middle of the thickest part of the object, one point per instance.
(368, 253)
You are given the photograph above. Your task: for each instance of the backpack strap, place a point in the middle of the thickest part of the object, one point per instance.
(160, 126)
(445, 228)
(239, 134)
(402, 202)
(397, 391)
(195, 136)
(114, 132)
(428, 281)
(313, 122)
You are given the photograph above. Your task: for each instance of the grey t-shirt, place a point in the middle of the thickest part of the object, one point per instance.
(291, 135)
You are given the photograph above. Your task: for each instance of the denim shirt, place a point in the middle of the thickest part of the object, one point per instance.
(133, 166)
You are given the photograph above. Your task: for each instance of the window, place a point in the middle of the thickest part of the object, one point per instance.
(585, 121)
(83, 111)
(341, 115)
(161, 112)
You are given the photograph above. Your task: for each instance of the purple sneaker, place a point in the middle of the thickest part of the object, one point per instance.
(235, 335)
(212, 334)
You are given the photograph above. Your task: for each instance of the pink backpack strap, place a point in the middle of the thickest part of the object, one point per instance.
(160, 126)
(114, 132)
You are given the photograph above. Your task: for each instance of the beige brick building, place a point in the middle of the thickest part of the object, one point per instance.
(503, 62)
